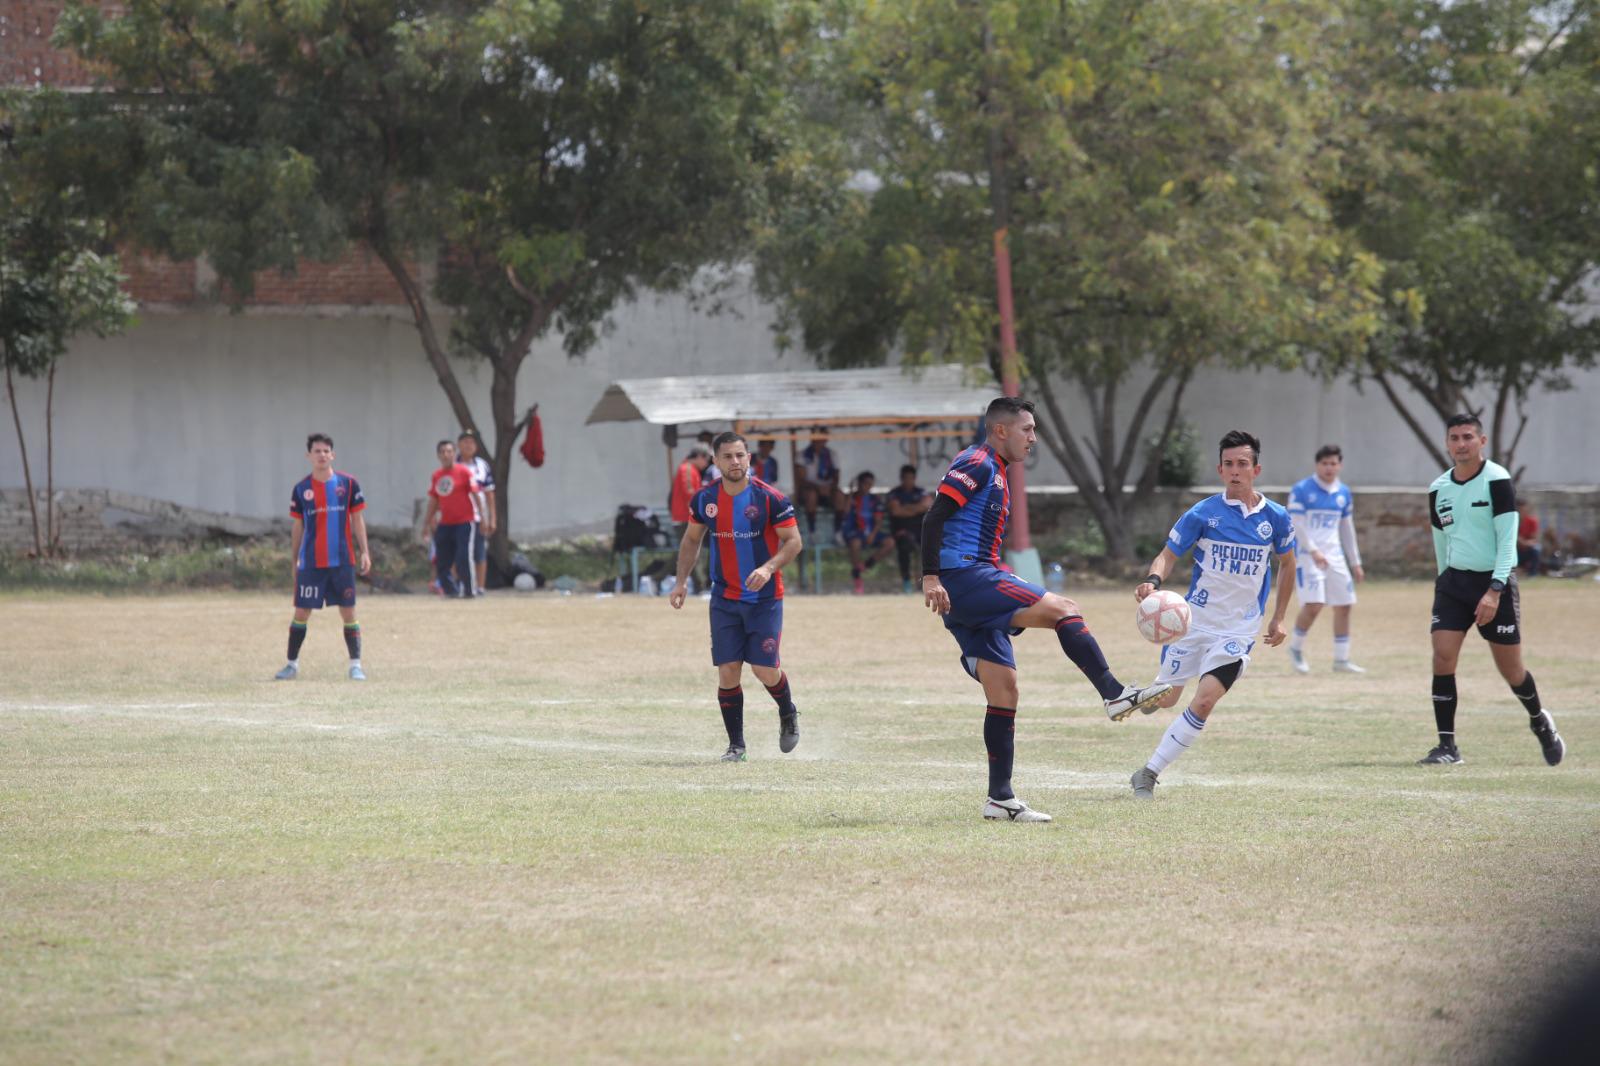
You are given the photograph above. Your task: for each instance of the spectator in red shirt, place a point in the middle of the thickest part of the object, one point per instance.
(689, 480)
(1528, 553)
(451, 511)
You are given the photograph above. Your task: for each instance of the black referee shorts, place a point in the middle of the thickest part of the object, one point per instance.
(1455, 605)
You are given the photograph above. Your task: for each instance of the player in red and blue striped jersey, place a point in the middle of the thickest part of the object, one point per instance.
(753, 536)
(329, 532)
(984, 606)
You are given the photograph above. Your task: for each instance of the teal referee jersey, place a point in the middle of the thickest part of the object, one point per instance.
(1475, 521)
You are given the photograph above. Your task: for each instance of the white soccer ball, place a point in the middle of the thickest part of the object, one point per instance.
(524, 582)
(1162, 617)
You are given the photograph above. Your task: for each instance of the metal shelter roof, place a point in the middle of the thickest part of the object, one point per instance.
(934, 393)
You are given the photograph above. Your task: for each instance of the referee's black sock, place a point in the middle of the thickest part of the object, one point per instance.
(999, 736)
(297, 637)
(1444, 708)
(1085, 653)
(1528, 695)
(731, 703)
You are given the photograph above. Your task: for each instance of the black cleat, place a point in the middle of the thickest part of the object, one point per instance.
(789, 730)
(1442, 755)
(1544, 727)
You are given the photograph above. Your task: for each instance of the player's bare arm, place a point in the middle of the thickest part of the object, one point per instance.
(358, 526)
(430, 520)
(297, 535)
(789, 547)
(1275, 631)
(688, 553)
(934, 595)
(489, 514)
(1161, 568)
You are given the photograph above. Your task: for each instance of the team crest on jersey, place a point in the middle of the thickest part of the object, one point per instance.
(308, 495)
(752, 512)
(770, 646)
(445, 486)
(1232, 648)
(339, 492)
(1211, 523)
(1264, 530)
(711, 510)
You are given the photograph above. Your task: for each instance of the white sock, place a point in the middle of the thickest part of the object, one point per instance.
(355, 662)
(1297, 639)
(1184, 730)
(1341, 649)
(295, 663)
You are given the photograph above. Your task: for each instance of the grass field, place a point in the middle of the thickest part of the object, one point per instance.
(512, 844)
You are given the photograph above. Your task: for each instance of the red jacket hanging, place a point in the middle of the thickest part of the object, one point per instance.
(533, 443)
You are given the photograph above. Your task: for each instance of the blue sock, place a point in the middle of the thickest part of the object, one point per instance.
(731, 703)
(1085, 653)
(1000, 737)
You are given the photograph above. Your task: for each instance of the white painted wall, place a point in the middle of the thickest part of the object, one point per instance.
(210, 409)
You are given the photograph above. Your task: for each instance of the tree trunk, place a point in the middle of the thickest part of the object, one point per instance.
(503, 409)
(27, 475)
(1427, 441)
(52, 537)
(1058, 437)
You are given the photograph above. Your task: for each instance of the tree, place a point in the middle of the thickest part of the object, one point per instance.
(56, 282)
(1472, 176)
(1159, 170)
(555, 155)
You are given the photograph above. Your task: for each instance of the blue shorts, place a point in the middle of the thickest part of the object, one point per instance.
(746, 632)
(480, 546)
(982, 600)
(871, 540)
(332, 585)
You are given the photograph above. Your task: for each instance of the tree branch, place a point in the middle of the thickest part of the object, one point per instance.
(1405, 415)
(425, 328)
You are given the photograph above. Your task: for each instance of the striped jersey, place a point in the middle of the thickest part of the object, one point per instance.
(325, 507)
(483, 477)
(976, 481)
(1233, 547)
(743, 529)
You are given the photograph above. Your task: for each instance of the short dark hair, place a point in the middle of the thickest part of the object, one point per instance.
(866, 475)
(728, 437)
(1330, 451)
(1466, 418)
(318, 438)
(442, 443)
(907, 469)
(1005, 408)
(468, 434)
(1238, 438)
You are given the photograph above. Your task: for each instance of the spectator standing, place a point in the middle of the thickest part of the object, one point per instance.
(484, 516)
(449, 522)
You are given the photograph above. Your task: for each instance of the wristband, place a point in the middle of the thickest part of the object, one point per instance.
(1152, 579)
(1497, 585)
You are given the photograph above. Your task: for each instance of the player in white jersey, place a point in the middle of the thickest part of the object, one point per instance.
(1330, 563)
(483, 509)
(1234, 536)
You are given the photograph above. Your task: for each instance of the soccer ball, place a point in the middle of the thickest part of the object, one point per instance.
(524, 582)
(1162, 617)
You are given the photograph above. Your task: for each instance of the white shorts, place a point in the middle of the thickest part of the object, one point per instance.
(1333, 586)
(1199, 652)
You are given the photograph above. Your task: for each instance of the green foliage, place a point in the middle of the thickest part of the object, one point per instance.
(1178, 459)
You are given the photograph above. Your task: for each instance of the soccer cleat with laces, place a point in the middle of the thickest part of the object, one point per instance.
(289, 672)
(1345, 666)
(1544, 727)
(733, 754)
(1144, 783)
(1442, 755)
(1136, 699)
(357, 674)
(788, 731)
(1012, 810)
(1297, 659)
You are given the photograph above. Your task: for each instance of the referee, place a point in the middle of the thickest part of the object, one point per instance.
(1473, 509)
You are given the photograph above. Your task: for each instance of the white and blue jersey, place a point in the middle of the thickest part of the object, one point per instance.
(1320, 510)
(1233, 547)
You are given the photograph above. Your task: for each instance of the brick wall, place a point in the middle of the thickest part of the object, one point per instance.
(26, 57)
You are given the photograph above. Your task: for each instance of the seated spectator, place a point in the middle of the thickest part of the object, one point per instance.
(1528, 554)
(908, 505)
(816, 481)
(865, 529)
(764, 465)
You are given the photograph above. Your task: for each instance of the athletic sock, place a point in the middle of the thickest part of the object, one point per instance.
(352, 640)
(1085, 653)
(1528, 695)
(1000, 738)
(297, 637)
(1297, 639)
(731, 702)
(1184, 731)
(781, 696)
(1444, 708)
(855, 573)
(1341, 649)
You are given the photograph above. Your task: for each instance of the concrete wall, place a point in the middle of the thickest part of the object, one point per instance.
(210, 410)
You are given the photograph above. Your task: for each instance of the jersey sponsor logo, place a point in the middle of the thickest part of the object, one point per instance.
(1505, 629)
(711, 510)
(1236, 558)
(999, 481)
(964, 479)
(1264, 530)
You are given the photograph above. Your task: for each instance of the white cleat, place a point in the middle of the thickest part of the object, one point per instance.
(357, 674)
(1136, 699)
(1297, 659)
(288, 673)
(1012, 810)
(1345, 666)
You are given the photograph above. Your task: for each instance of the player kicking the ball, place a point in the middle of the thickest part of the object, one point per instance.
(753, 536)
(1233, 536)
(984, 606)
